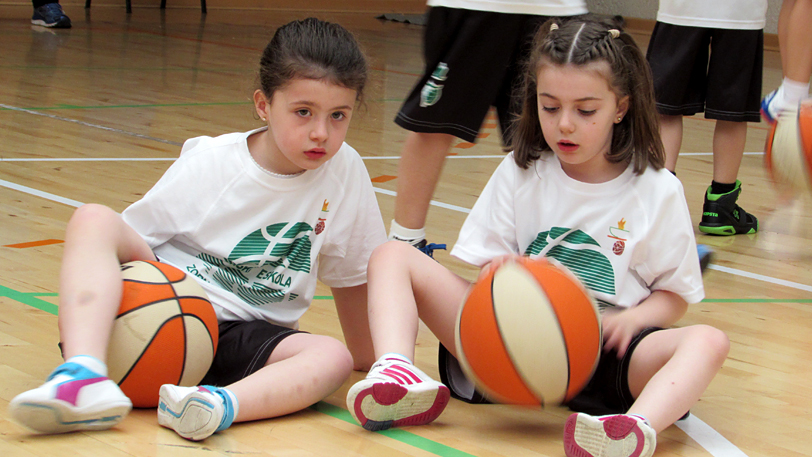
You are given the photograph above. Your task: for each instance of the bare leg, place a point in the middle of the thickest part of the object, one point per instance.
(302, 370)
(670, 370)
(97, 241)
(728, 148)
(798, 36)
(671, 134)
(419, 169)
(406, 285)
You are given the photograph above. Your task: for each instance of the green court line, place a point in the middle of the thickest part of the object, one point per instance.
(396, 434)
(411, 439)
(30, 299)
(158, 105)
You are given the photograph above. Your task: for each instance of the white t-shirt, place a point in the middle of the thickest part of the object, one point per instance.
(623, 238)
(535, 7)
(715, 14)
(257, 242)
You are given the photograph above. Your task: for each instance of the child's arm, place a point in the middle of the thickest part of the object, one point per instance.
(351, 304)
(661, 309)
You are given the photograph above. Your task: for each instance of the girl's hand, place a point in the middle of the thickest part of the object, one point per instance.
(496, 263)
(619, 327)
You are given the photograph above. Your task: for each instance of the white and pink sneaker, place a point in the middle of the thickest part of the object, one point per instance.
(620, 435)
(395, 393)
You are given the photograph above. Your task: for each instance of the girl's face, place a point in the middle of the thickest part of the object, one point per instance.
(577, 110)
(307, 123)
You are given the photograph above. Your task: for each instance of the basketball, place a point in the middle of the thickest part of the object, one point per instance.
(529, 333)
(165, 333)
(788, 153)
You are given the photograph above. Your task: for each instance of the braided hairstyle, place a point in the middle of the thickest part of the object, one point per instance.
(581, 41)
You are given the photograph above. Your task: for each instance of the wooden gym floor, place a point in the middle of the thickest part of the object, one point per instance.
(96, 114)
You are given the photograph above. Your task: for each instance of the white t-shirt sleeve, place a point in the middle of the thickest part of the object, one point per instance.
(669, 259)
(161, 213)
(490, 229)
(361, 231)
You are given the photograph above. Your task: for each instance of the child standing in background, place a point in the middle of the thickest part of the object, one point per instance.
(707, 56)
(260, 216)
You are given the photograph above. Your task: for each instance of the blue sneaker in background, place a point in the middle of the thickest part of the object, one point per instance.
(51, 15)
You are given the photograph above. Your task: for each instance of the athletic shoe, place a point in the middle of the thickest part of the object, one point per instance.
(73, 398)
(722, 216)
(429, 248)
(395, 393)
(705, 254)
(51, 15)
(195, 413)
(621, 435)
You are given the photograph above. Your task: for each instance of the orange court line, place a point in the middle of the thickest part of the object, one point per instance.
(464, 145)
(383, 178)
(33, 244)
(483, 135)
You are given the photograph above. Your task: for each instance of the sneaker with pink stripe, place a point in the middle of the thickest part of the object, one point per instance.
(73, 398)
(395, 393)
(620, 435)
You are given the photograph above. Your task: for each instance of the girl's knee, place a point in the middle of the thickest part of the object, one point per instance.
(391, 250)
(334, 354)
(91, 214)
(712, 340)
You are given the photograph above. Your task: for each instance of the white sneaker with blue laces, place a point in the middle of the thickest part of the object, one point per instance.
(196, 413)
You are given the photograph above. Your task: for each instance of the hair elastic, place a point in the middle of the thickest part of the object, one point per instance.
(614, 32)
(553, 26)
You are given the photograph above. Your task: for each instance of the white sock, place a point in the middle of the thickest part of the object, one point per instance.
(91, 363)
(411, 236)
(793, 91)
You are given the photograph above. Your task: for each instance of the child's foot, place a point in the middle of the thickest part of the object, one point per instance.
(51, 15)
(73, 398)
(621, 435)
(722, 216)
(771, 106)
(428, 248)
(196, 413)
(395, 393)
(705, 255)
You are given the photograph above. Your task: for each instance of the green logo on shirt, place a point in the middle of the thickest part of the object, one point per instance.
(578, 254)
(261, 266)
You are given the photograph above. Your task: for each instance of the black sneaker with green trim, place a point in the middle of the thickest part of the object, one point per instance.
(722, 216)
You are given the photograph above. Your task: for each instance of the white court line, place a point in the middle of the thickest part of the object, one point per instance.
(39, 193)
(780, 282)
(713, 442)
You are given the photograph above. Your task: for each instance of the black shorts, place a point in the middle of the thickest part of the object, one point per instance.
(608, 390)
(243, 348)
(717, 71)
(473, 61)
(606, 393)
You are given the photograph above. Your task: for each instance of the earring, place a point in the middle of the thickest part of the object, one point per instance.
(619, 118)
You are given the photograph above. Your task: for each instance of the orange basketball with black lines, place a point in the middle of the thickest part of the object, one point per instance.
(165, 332)
(529, 333)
